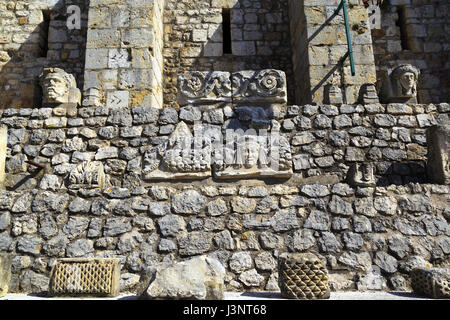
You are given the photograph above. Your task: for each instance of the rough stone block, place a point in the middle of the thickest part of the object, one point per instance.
(200, 278)
(438, 142)
(5, 273)
(117, 99)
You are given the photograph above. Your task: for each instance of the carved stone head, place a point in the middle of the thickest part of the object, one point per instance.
(251, 154)
(404, 81)
(59, 87)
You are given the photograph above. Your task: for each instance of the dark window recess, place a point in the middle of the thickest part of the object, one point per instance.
(226, 29)
(401, 23)
(44, 29)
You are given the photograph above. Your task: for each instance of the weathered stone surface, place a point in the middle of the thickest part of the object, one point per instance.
(438, 142)
(415, 203)
(48, 201)
(372, 281)
(171, 225)
(79, 205)
(359, 261)
(317, 220)
(243, 205)
(217, 207)
(398, 246)
(194, 243)
(365, 207)
(223, 240)
(199, 278)
(315, 190)
(188, 202)
(34, 282)
(386, 262)
(285, 220)
(361, 224)
(75, 226)
(270, 241)
(251, 278)
(80, 248)
(5, 273)
(265, 262)
(240, 262)
(328, 243)
(339, 206)
(300, 240)
(409, 227)
(158, 209)
(116, 226)
(352, 241)
(386, 205)
(30, 244)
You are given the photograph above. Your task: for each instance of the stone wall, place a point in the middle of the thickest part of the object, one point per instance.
(416, 32)
(319, 45)
(27, 45)
(371, 236)
(194, 39)
(124, 52)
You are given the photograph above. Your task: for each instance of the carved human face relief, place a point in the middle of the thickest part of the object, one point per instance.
(251, 155)
(408, 81)
(55, 88)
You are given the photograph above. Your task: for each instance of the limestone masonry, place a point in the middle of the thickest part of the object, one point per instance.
(178, 133)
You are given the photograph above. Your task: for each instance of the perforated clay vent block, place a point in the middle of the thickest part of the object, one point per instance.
(85, 277)
(431, 282)
(303, 276)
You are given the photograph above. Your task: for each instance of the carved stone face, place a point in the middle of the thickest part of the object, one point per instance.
(408, 82)
(59, 87)
(251, 154)
(367, 172)
(404, 84)
(55, 88)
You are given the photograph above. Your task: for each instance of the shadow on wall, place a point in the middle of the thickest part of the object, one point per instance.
(234, 35)
(338, 68)
(401, 173)
(34, 37)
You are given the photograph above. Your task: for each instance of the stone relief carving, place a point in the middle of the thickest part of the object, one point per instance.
(204, 87)
(263, 86)
(254, 157)
(361, 174)
(182, 156)
(333, 94)
(244, 87)
(92, 97)
(369, 94)
(88, 174)
(401, 86)
(59, 87)
(438, 142)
